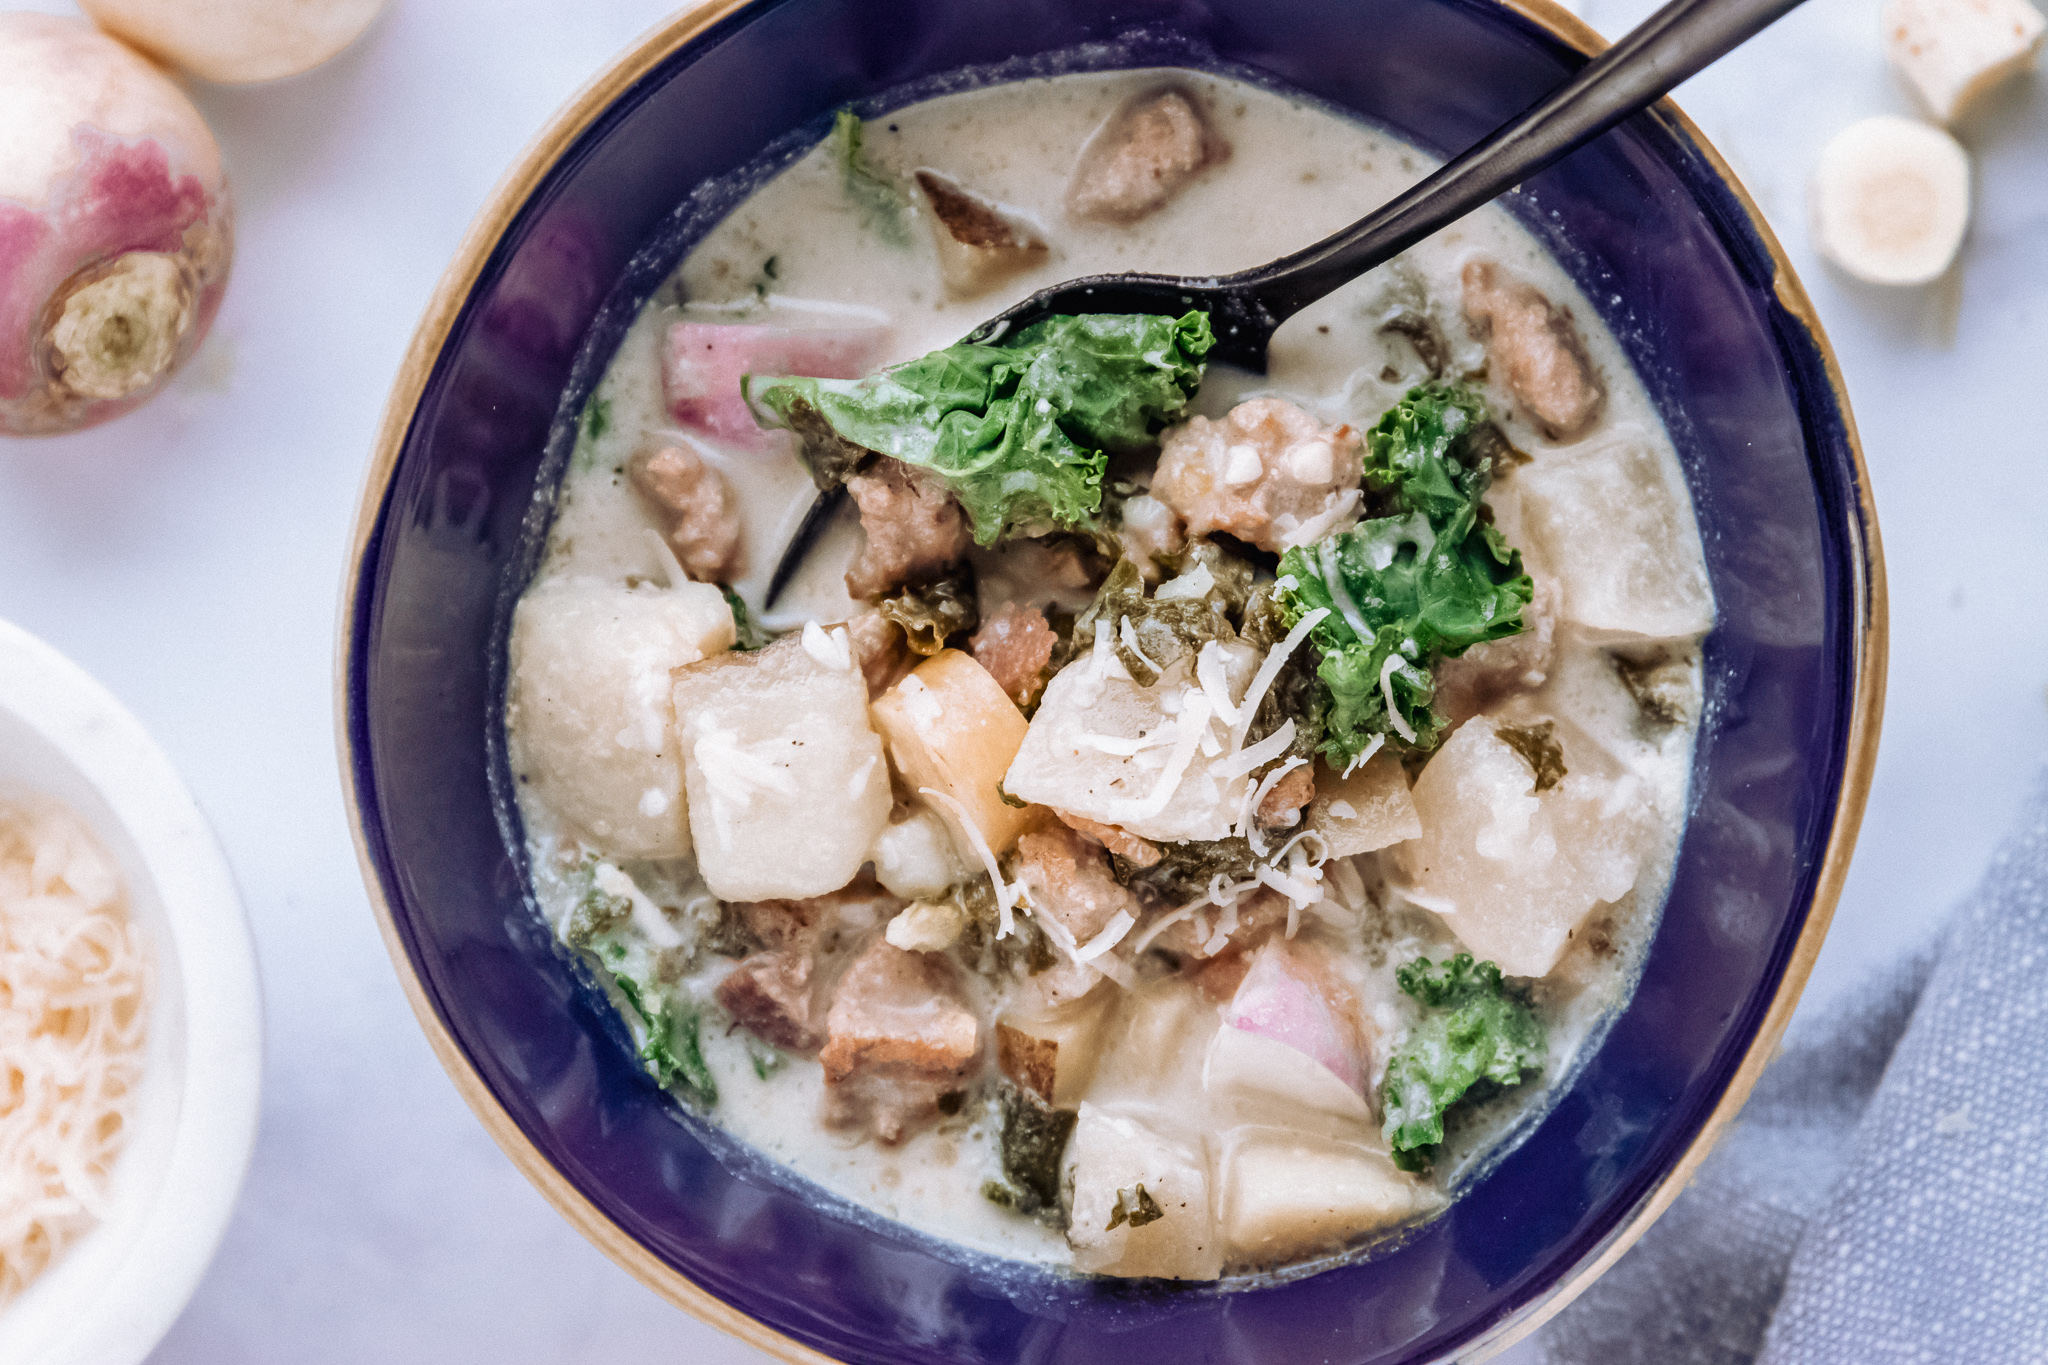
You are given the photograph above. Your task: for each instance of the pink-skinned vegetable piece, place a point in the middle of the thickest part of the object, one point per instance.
(236, 42)
(1290, 997)
(115, 226)
(700, 373)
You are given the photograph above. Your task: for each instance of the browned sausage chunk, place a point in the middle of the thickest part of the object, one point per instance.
(1142, 157)
(899, 1035)
(1015, 645)
(1282, 805)
(1067, 877)
(699, 514)
(1267, 473)
(1535, 350)
(914, 528)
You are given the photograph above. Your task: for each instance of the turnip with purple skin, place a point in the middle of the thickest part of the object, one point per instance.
(237, 42)
(115, 226)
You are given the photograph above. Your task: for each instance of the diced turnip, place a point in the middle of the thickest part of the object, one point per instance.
(1291, 997)
(1120, 1164)
(589, 709)
(1054, 1054)
(915, 857)
(1253, 1078)
(1601, 516)
(115, 227)
(703, 363)
(979, 244)
(951, 729)
(237, 42)
(1368, 810)
(1101, 747)
(1514, 872)
(1155, 1045)
(787, 782)
(1285, 1195)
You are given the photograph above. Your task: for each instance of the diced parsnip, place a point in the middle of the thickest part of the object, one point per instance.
(1285, 1195)
(1119, 1160)
(788, 785)
(589, 713)
(1068, 760)
(951, 728)
(1602, 518)
(1054, 1055)
(1513, 872)
(1954, 51)
(915, 858)
(1365, 811)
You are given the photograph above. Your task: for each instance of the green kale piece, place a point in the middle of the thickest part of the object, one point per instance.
(931, 613)
(1538, 746)
(1422, 582)
(597, 417)
(884, 209)
(673, 1051)
(1019, 432)
(1034, 1138)
(747, 635)
(1476, 1031)
(596, 913)
(1166, 630)
(1136, 1207)
(1296, 694)
(1187, 867)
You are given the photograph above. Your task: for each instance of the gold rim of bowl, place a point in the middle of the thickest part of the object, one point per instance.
(648, 52)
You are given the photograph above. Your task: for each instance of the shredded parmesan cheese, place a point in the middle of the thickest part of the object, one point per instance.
(1006, 894)
(1130, 639)
(831, 649)
(1112, 934)
(1394, 717)
(73, 1012)
(1269, 669)
(1349, 768)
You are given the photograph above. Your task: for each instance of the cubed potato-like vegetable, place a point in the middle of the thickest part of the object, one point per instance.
(1601, 517)
(1953, 51)
(787, 783)
(1054, 1055)
(1292, 995)
(1512, 871)
(1365, 811)
(1256, 1078)
(1152, 1187)
(1099, 745)
(1285, 1195)
(589, 712)
(951, 728)
(915, 858)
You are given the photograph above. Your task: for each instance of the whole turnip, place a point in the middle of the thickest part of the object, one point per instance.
(237, 42)
(115, 226)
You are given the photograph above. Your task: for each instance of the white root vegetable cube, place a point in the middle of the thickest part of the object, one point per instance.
(1259, 1079)
(1053, 1055)
(1602, 518)
(915, 857)
(1365, 811)
(953, 729)
(1285, 1195)
(1513, 872)
(787, 783)
(1111, 1157)
(1953, 51)
(589, 711)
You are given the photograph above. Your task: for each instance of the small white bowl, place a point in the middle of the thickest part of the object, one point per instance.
(111, 1297)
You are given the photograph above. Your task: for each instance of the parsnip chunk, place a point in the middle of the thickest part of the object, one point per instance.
(787, 783)
(1601, 518)
(1286, 1195)
(589, 714)
(1952, 51)
(951, 728)
(1512, 871)
(1159, 1183)
(1365, 811)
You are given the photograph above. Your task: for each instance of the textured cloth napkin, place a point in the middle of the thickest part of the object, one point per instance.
(1884, 1196)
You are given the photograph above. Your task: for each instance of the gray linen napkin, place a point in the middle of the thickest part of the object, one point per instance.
(1884, 1196)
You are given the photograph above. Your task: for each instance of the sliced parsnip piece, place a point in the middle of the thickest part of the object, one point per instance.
(1891, 199)
(951, 728)
(1953, 51)
(1365, 811)
(1054, 1055)
(787, 783)
(1285, 1194)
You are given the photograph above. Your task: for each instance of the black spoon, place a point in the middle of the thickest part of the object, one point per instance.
(1246, 308)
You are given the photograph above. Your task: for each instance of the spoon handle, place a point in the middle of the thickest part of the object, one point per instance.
(1672, 44)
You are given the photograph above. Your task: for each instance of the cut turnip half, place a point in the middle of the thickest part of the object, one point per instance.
(115, 226)
(237, 42)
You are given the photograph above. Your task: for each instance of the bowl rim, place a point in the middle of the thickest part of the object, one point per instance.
(214, 959)
(1867, 633)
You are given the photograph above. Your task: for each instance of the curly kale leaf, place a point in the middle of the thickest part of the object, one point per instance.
(673, 1051)
(1034, 1138)
(1019, 432)
(883, 208)
(931, 613)
(1475, 1031)
(747, 635)
(1424, 581)
(1165, 629)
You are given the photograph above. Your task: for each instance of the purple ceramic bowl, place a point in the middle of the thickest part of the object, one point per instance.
(599, 210)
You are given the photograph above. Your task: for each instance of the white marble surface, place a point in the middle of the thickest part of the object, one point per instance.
(190, 557)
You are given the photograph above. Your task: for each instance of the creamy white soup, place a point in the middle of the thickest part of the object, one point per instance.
(1176, 822)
